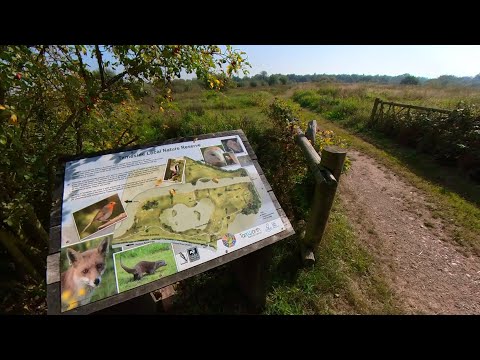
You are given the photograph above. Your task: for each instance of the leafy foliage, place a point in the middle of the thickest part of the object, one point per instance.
(52, 104)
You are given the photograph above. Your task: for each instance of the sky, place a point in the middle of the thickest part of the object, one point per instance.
(428, 61)
(420, 60)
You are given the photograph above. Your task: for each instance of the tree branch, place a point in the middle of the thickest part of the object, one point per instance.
(131, 141)
(58, 136)
(82, 68)
(121, 136)
(100, 65)
(114, 220)
(8, 241)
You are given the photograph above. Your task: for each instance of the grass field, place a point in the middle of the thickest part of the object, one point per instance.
(150, 252)
(292, 290)
(347, 112)
(346, 280)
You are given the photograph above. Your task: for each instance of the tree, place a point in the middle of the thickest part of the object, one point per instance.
(52, 102)
(273, 80)
(409, 80)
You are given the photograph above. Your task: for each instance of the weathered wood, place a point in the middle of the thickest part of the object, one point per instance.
(53, 299)
(251, 273)
(249, 149)
(322, 204)
(333, 158)
(55, 239)
(100, 306)
(53, 268)
(257, 167)
(313, 158)
(141, 305)
(374, 110)
(311, 131)
(274, 200)
(265, 183)
(164, 298)
(306, 254)
(326, 170)
(443, 111)
(311, 155)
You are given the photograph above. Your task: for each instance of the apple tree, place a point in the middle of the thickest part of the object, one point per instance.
(59, 99)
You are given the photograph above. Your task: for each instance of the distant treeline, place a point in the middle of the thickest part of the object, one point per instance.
(263, 79)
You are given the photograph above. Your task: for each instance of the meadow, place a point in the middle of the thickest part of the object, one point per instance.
(331, 286)
(344, 266)
(346, 108)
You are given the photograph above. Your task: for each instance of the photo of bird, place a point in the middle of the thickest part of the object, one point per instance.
(102, 215)
(214, 156)
(232, 145)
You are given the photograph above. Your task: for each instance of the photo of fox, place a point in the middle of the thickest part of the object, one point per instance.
(87, 273)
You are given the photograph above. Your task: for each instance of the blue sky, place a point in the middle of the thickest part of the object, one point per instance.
(420, 60)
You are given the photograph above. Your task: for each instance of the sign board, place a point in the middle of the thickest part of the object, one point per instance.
(133, 217)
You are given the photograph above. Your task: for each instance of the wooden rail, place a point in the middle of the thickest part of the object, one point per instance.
(378, 108)
(326, 170)
(443, 111)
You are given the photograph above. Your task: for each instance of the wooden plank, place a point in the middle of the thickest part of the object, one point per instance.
(374, 110)
(55, 239)
(53, 298)
(247, 145)
(53, 268)
(274, 200)
(265, 183)
(313, 158)
(443, 111)
(333, 158)
(251, 273)
(257, 167)
(147, 288)
(311, 131)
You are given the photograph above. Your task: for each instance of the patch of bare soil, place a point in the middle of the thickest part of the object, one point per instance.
(428, 273)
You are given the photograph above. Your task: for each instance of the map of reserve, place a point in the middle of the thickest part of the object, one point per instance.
(199, 211)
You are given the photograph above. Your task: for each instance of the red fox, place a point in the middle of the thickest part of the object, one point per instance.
(83, 276)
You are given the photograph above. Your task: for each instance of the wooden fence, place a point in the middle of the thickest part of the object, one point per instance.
(326, 170)
(384, 109)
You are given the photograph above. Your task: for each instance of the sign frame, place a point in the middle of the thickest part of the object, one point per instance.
(53, 259)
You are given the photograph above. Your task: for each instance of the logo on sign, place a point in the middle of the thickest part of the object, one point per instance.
(270, 227)
(229, 240)
(249, 233)
(193, 254)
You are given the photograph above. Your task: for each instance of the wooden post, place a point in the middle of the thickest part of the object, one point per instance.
(251, 272)
(374, 110)
(311, 131)
(327, 174)
(333, 158)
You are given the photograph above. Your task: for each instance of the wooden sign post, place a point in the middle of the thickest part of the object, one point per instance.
(128, 223)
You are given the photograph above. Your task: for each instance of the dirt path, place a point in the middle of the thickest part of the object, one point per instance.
(415, 252)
